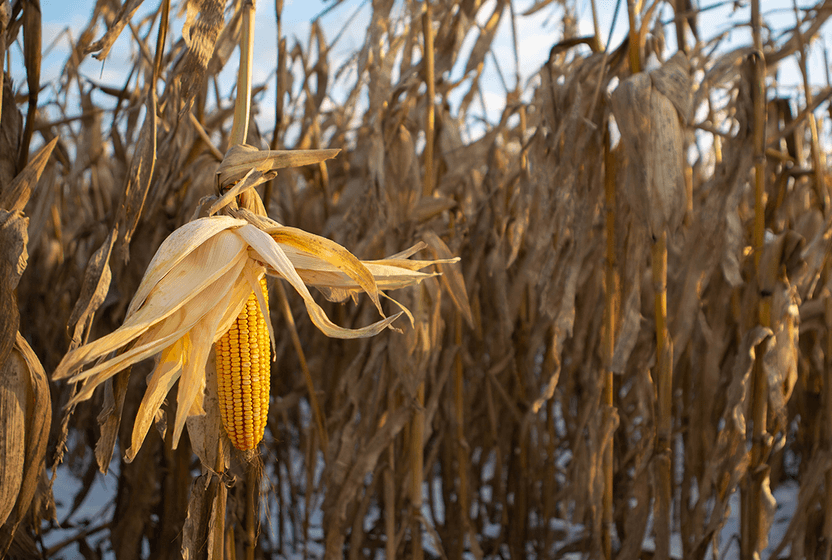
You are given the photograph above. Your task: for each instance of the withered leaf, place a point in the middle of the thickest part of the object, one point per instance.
(109, 419)
(96, 284)
(102, 46)
(16, 195)
(13, 257)
(138, 178)
(451, 277)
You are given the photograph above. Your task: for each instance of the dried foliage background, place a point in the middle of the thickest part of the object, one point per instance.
(493, 402)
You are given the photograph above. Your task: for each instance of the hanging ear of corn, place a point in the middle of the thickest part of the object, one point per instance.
(243, 371)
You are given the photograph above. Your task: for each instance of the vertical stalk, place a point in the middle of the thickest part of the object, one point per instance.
(827, 411)
(679, 18)
(664, 384)
(417, 437)
(239, 131)
(390, 480)
(459, 413)
(610, 297)
(751, 506)
(218, 536)
(634, 51)
(430, 81)
(253, 474)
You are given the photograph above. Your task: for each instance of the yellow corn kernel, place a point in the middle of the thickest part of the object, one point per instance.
(243, 374)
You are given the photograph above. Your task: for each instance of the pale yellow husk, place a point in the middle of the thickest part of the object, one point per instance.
(196, 286)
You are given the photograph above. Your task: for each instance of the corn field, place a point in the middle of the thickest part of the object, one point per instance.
(615, 338)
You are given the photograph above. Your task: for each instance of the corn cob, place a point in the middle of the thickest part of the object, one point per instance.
(243, 371)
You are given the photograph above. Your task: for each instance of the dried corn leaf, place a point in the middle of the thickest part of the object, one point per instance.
(451, 277)
(486, 37)
(138, 178)
(11, 129)
(96, 284)
(102, 46)
(109, 419)
(15, 196)
(241, 159)
(206, 513)
(13, 257)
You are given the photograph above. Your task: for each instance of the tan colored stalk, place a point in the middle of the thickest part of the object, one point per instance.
(663, 374)
(635, 56)
(390, 481)
(239, 131)
(417, 439)
(417, 433)
(610, 296)
(750, 537)
(253, 475)
(818, 167)
(459, 413)
(827, 405)
(663, 381)
(219, 524)
(679, 18)
(427, 27)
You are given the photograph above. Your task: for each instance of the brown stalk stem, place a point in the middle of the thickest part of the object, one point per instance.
(253, 474)
(417, 434)
(610, 297)
(430, 81)
(827, 405)
(664, 383)
(751, 506)
(417, 437)
(459, 406)
(390, 480)
(219, 524)
(635, 56)
(595, 26)
(679, 18)
(280, 89)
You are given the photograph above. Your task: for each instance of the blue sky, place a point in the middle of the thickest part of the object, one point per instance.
(536, 35)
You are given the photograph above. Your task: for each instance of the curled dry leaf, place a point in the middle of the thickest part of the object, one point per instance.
(138, 178)
(242, 158)
(96, 284)
(102, 46)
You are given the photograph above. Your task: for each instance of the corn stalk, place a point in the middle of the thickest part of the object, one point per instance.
(610, 301)
(752, 508)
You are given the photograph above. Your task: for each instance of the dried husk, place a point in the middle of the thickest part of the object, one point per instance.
(650, 109)
(25, 417)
